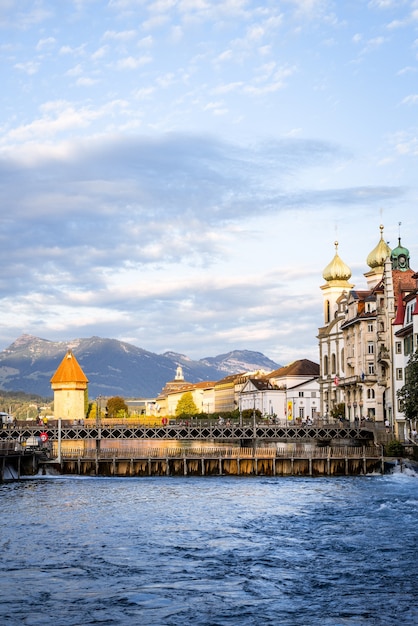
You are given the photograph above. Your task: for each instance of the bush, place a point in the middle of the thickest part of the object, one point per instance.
(394, 448)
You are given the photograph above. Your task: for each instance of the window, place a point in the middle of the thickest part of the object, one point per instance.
(370, 347)
(313, 394)
(409, 314)
(370, 368)
(300, 394)
(370, 394)
(407, 345)
(334, 364)
(370, 327)
(327, 312)
(325, 365)
(398, 347)
(399, 373)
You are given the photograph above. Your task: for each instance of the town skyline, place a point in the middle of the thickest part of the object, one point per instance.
(174, 175)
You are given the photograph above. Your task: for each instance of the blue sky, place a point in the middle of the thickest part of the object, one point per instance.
(174, 173)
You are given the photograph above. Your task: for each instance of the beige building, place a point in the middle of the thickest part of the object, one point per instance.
(69, 384)
(356, 343)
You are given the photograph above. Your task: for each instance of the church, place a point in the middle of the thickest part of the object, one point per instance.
(368, 335)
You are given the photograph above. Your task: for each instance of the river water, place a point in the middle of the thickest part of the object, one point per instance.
(210, 551)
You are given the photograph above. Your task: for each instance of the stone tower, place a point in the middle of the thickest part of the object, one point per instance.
(69, 384)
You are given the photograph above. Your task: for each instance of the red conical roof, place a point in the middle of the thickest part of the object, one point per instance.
(69, 371)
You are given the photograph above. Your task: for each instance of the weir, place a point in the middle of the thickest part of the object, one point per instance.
(326, 461)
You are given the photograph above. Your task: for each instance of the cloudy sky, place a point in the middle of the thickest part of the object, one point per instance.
(174, 173)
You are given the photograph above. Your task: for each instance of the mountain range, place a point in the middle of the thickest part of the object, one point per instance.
(114, 367)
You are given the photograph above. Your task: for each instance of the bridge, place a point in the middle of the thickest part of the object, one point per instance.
(209, 431)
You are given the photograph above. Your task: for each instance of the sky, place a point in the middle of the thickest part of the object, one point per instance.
(174, 173)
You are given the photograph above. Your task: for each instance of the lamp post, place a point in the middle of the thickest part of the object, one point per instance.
(98, 409)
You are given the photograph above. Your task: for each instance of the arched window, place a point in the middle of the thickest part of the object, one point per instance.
(342, 364)
(327, 312)
(325, 365)
(370, 394)
(333, 364)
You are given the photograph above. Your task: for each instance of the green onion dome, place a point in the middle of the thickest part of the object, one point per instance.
(400, 257)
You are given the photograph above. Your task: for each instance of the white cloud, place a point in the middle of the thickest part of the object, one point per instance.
(411, 99)
(132, 63)
(30, 67)
(48, 42)
(125, 35)
(100, 53)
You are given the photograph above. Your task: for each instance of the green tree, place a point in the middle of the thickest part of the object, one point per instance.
(117, 407)
(408, 394)
(338, 410)
(186, 405)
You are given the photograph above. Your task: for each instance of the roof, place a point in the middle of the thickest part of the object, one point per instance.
(69, 371)
(260, 384)
(303, 367)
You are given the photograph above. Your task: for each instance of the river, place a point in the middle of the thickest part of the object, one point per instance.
(210, 551)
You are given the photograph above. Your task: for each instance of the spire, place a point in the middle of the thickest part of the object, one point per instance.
(336, 269)
(377, 257)
(400, 256)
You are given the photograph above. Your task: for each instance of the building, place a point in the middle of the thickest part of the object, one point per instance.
(69, 384)
(357, 343)
(261, 395)
(299, 380)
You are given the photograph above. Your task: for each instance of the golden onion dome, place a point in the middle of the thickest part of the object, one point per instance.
(337, 269)
(379, 254)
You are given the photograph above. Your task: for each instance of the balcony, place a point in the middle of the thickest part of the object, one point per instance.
(384, 356)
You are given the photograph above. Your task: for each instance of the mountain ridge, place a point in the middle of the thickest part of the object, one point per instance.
(114, 367)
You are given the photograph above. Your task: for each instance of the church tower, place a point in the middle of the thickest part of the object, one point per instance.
(69, 384)
(376, 261)
(336, 275)
(331, 344)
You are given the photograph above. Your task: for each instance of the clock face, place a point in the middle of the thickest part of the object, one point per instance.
(402, 260)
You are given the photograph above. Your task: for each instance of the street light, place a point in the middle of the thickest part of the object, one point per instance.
(98, 408)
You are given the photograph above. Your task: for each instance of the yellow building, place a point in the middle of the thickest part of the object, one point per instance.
(69, 384)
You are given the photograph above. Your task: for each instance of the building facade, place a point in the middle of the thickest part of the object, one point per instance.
(362, 352)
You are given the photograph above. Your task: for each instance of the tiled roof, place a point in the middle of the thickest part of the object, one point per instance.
(69, 371)
(303, 367)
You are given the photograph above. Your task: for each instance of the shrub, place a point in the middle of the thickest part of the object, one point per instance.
(394, 448)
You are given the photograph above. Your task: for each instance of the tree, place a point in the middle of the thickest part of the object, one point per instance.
(338, 411)
(186, 405)
(117, 407)
(408, 394)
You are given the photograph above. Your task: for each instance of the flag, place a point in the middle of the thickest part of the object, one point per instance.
(362, 376)
(336, 381)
